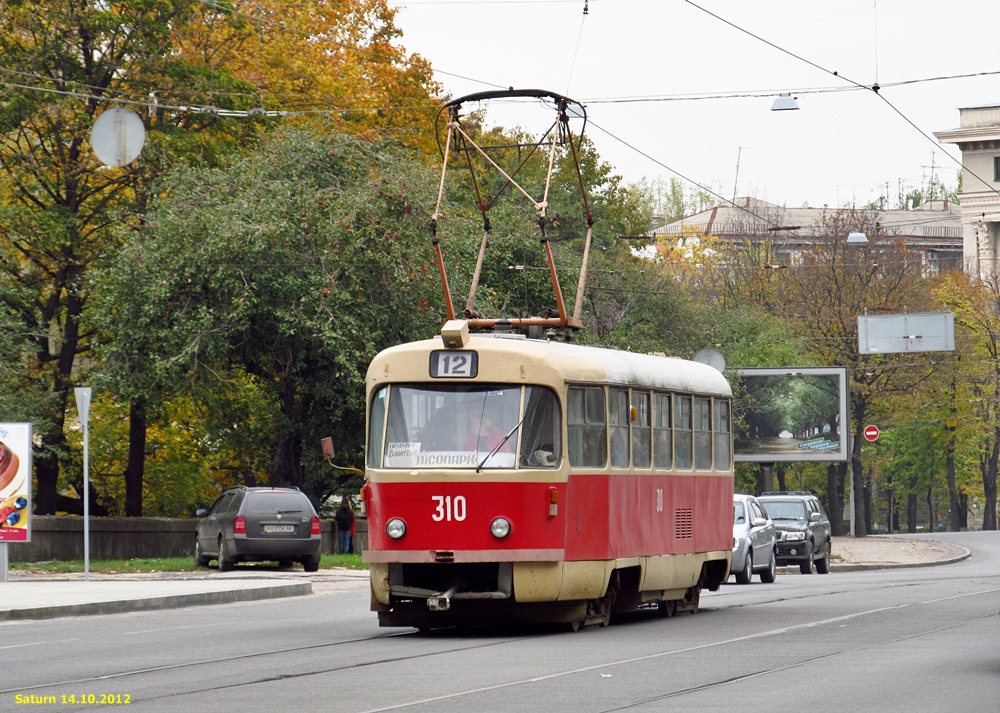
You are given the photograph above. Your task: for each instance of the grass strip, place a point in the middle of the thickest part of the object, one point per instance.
(170, 564)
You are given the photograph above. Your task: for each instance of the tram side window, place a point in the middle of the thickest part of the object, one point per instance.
(702, 433)
(663, 455)
(376, 425)
(541, 439)
(586, 427)
(618, 423)
(682, 431)
(640, 429)
(723, 442)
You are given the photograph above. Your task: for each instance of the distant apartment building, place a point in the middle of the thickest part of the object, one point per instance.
(978, 137)
(934, 230)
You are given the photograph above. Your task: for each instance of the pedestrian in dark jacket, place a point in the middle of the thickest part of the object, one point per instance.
(344, 518)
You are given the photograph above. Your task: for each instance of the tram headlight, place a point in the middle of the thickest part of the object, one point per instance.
(500, 527)
(395, 528)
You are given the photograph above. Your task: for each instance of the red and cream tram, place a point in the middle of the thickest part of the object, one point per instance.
(530, 480)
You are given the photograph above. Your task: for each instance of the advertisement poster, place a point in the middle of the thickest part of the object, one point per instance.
(791, 415)
(15, 482)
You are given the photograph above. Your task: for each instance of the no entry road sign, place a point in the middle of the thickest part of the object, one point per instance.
(871, 433)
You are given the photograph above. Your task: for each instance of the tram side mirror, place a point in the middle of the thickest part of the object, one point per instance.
(327, 445)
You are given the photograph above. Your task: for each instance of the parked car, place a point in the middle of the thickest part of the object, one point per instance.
(259, 524)
(804, 534)
(754, 539)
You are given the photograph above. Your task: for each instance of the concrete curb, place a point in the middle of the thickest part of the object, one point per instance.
(118, 606)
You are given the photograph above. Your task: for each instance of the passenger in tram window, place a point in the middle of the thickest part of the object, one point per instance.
(487, 438)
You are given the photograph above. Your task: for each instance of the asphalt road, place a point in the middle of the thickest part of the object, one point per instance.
(895, 640)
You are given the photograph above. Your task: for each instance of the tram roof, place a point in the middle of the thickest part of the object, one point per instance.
(583, 364)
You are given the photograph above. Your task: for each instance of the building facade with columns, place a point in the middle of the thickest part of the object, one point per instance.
(978, 137)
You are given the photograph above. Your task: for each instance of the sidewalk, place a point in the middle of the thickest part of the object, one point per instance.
(852, 554)
(49, 596)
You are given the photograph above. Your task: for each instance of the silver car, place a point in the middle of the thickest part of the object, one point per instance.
(754, 541)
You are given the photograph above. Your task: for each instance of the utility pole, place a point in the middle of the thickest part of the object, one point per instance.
(737, 179)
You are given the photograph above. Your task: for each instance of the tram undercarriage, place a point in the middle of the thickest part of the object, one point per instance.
(466, 594)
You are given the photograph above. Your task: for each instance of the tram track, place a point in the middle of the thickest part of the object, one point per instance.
(279, 672)
(692, 649)
(787, 667)
(101, 678)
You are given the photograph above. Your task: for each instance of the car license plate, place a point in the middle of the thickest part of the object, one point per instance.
(276, 529)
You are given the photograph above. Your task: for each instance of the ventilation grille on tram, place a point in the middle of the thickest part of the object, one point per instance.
(683, 525)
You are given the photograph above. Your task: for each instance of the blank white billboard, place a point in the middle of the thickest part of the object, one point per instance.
(899, 333)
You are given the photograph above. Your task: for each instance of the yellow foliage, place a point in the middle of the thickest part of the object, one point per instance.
(334, 61)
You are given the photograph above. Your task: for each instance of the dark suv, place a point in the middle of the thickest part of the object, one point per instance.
(803, 530)
(259, 524)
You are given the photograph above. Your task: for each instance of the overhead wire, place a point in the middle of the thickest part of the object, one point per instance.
(576, 51)
(854, 86)
(875, 88)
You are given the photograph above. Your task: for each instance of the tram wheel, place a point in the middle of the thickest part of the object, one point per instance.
(696, 601)
(571, 625)
(667, 608)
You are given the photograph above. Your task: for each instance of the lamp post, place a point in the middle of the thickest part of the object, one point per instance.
(83, 410)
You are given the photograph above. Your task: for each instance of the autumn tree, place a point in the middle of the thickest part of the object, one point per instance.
(327, 64)
(57, 209)
(835, 283)
(977, 313)
(184, 66)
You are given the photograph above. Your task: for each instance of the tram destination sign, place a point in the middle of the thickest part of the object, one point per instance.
(790, 415)
(454, 364)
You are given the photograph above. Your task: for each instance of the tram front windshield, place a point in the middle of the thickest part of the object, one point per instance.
(452, 425)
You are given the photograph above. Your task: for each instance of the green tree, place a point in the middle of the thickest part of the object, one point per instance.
(292, 268)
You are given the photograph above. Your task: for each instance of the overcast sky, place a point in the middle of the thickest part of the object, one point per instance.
(840, 147)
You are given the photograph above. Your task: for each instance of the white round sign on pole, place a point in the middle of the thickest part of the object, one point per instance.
(118, 137)
(711, 356)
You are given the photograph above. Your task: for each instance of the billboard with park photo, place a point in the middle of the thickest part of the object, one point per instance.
(791, 414)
